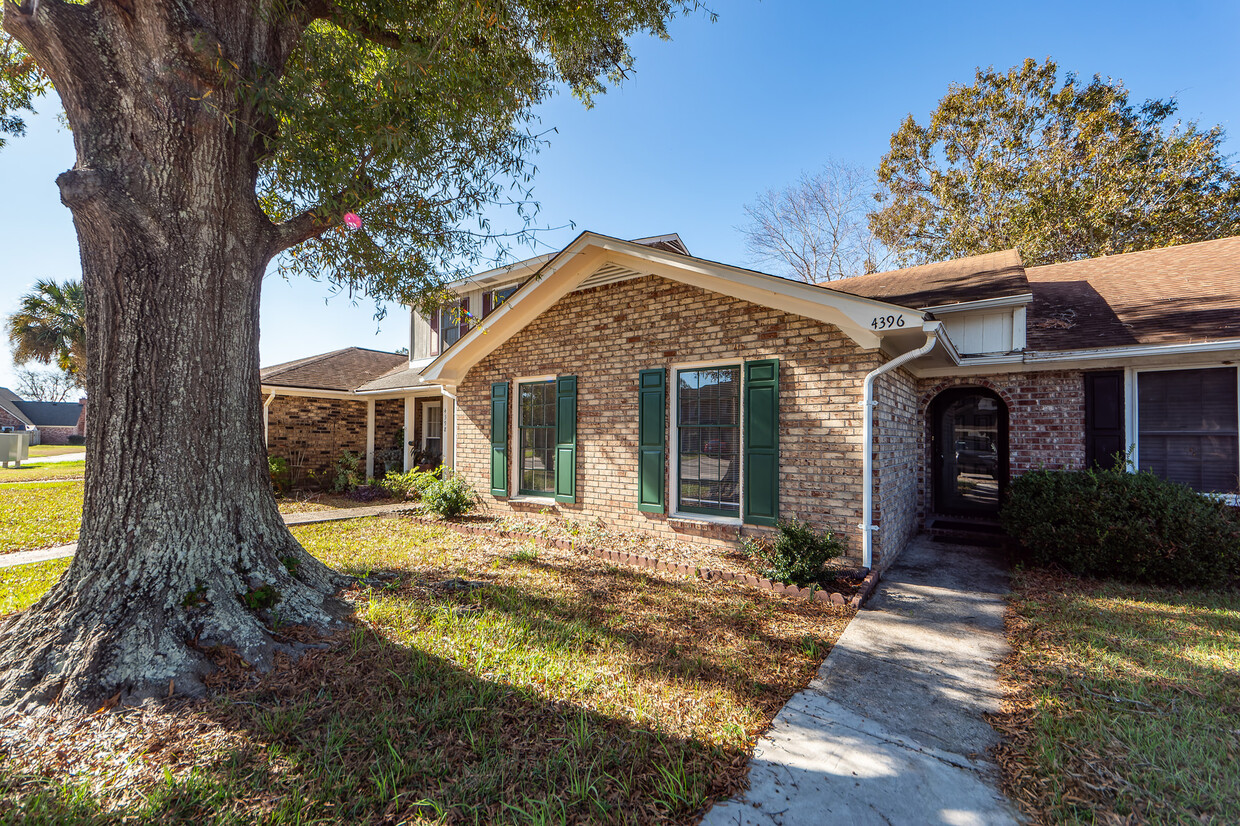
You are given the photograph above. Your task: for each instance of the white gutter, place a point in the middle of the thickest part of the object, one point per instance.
(932, 330)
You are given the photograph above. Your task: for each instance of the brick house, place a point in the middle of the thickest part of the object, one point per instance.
(49, 423)
(632, 382)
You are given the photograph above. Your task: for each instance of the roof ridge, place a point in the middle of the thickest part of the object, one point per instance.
(1150, 251)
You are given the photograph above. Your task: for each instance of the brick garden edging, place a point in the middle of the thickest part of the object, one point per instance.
(651, 563)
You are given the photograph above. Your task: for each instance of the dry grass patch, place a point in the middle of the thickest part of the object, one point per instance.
(486, 681)
(39, 515)
(55, 450)
(317, 502)
(1123, 702)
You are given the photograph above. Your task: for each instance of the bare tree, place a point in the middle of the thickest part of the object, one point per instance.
(44, 385)
(818, 228)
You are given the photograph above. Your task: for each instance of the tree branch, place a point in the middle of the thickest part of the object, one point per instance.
(329, 11)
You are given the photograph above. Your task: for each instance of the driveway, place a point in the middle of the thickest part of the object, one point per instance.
(892, 729)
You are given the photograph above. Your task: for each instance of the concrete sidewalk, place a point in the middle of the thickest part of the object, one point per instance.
(63, 457)
(334, 515)
(891, 731)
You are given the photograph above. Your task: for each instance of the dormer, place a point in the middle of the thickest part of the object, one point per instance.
(481, 294)
(992, 326)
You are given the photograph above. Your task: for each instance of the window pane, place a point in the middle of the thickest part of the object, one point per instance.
(1188, 427)
(708, 439)
(536, 424)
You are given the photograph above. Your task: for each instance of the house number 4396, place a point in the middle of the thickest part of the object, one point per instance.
(886, 322)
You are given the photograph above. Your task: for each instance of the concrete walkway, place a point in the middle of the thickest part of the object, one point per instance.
(63, 457)
(891, 731)
(334, 515)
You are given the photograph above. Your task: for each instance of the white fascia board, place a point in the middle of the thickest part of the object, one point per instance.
(852, 314)
(522, 307)
(1135, 351)
(1173, 354)
(500, 275)
(309, 392)
(398, 392)
(982, 304)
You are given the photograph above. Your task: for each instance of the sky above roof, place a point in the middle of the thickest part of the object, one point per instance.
(711, 118)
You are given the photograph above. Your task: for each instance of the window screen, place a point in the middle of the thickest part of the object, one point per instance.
(1188, 428)
(708, 436)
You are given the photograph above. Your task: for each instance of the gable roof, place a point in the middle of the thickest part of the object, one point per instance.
(343, 370)
(990, 275)
(1184, 294)
(50, 414)
(8, 400)
(592, 255)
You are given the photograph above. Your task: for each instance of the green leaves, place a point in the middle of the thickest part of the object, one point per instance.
(418, 117)
(21, 81)
(50, 327)
(1060, 171)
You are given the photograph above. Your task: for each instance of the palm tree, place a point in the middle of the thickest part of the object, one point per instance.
(50, 327)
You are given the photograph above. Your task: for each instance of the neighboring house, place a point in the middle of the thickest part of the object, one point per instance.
(631, 382)
(49, 423)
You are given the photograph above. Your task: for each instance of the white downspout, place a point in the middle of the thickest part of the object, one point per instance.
(444, 389)
(266, 409)
(868, 404)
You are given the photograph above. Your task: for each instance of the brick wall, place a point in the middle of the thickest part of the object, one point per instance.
(389, 425)
(57, 435)
(9, 420)
(1046, 420)
(898, 446)
(606, 335)
(312, 433)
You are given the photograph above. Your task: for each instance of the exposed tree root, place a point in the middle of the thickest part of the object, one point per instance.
(131, 633)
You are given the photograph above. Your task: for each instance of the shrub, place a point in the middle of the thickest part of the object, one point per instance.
(449, 496)
(797, 554)
(348, 472)
(1132, 526)
(281, 476)
(408, 485)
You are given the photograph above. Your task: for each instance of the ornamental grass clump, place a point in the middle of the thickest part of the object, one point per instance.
(1131, 526)
(795, 556)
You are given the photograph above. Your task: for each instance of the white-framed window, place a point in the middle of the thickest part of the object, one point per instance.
(432, 428)
(706, 434)
(533, 434)
(448, 324)
(1185, 426)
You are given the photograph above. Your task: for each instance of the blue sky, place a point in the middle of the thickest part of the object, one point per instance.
(710, 119)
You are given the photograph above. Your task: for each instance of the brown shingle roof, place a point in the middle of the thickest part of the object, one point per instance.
(991, 275)
(1189, 293)
(345, 369)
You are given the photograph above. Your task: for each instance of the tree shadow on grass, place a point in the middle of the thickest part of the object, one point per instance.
(761, 647)
(370, 731)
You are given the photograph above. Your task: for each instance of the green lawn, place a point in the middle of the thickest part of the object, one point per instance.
(42, 471)
(1124, 702)
(487, 681)
(39, 515)
(55, 450)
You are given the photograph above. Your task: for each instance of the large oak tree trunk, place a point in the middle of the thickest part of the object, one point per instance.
(181, 546)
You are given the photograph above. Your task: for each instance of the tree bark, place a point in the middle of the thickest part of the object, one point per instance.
(181, 547)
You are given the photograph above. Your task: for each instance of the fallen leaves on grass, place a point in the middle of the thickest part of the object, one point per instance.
(1120, 702)
(476, 686)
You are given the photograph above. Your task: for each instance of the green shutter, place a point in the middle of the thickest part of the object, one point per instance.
(566, 439)
(761, 462)
(499, 438)
(651, 439)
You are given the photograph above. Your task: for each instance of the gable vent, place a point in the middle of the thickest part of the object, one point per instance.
(608, 274)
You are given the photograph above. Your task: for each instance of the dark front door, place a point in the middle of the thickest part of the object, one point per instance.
(970, 449)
